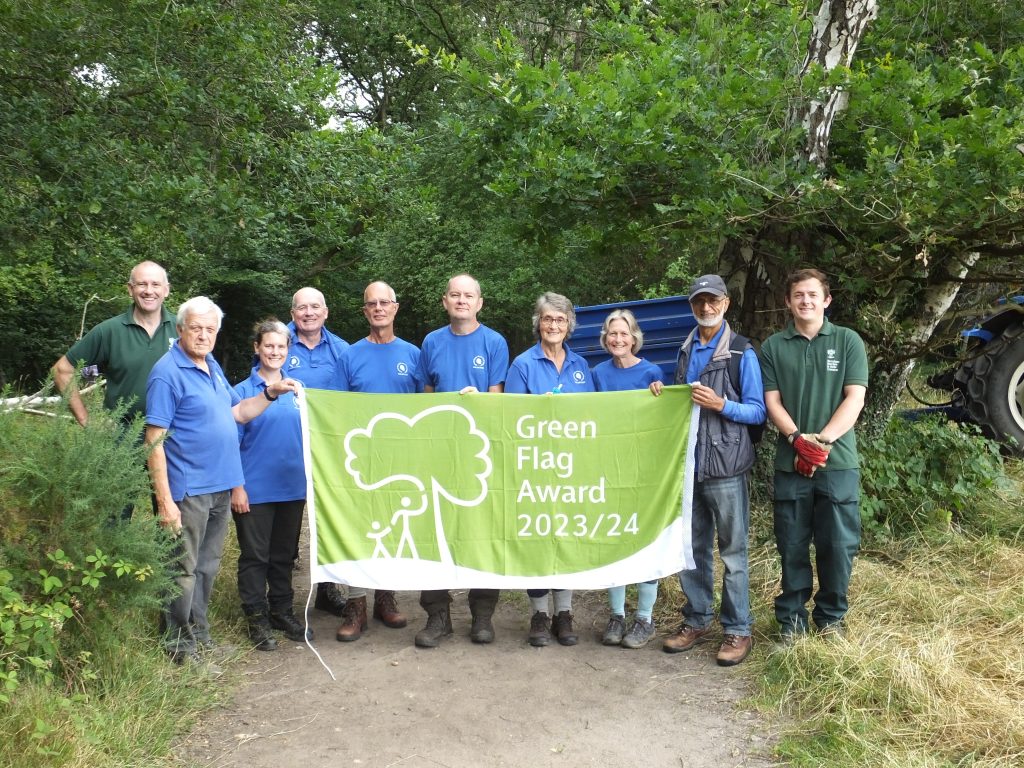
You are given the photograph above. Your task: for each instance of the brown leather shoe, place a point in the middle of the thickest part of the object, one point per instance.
(684, 639)
(386, 609)
(354, 620)
(734, 649)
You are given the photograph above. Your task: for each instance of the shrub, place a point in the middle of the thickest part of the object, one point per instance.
(922, 476)
(73, 574)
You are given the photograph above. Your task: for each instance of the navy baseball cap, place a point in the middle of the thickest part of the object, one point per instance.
(712, 284)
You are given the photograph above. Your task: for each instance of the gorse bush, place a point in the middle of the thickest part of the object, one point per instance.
(922, 476)
(73, 574)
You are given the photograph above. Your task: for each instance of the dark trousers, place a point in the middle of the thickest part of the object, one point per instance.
(433, 600)
(823, 510)
(204, 521)
(267, 537)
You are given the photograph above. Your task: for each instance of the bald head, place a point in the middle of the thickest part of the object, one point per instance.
(308, 296)
(380, 305)
(462, 301)
(309, 313)
(148, 287)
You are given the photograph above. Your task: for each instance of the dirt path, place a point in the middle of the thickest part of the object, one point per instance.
(466, 705)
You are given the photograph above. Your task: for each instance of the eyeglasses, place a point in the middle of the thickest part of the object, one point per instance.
(554, 322)
(310, 307)
(382, 303)
(712, 301)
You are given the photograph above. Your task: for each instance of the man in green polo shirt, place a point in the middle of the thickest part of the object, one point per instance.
(815, 378)
(124, 347)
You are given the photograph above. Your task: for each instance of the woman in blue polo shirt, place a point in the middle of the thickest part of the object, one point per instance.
(550, 367)
(622, 339)
(268, 509)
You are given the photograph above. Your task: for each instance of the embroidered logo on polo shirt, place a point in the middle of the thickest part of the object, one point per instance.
(294, 362)
(832, 364)
(478, 361)
(402, 369)
(579, 377)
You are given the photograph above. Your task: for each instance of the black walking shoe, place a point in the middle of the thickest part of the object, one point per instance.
(329, 599)
(260, 633)
(293, 629)
(439, 626)
(561, 628)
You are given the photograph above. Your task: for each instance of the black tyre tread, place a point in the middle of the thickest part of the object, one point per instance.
(986, 405)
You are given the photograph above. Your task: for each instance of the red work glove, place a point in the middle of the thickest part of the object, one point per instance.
(803, 466)
(813, 453)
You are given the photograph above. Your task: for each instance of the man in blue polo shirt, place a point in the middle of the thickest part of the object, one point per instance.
(381, 362)
(314, 351)
(463, 355)
(191, 416)
(313, 355)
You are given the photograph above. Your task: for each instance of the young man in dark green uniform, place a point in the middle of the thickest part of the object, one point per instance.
(125, 347)
(815, 378)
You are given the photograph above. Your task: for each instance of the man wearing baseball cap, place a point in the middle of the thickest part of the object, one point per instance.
(730, 398)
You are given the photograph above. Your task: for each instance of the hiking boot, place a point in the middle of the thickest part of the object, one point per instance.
(833, 632)
(482, 630)
(640, 633)
(353, 620)
(329, 598)
(293, 629)
(734, 649)
(439, 626)
(540, 633)
(186, 658)
(193, 660)
(260, 633)
(386, 610)
(684, 639)
(615, 630)
(789, 635)
(561, 628)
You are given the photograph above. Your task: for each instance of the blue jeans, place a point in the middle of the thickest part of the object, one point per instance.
(204, 522)
(722, 504)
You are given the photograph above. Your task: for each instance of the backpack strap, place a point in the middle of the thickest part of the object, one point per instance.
(737, 346)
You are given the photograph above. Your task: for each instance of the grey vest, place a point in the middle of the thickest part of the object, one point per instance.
(723, 446)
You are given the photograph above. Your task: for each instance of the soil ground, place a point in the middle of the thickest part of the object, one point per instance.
(466, 705)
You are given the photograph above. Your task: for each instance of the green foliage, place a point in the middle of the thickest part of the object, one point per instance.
(923, 476)
(73, 575)
(173, 132)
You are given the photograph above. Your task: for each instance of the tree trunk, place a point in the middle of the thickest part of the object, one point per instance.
(753, 267)
(888, 378)
(838, 29)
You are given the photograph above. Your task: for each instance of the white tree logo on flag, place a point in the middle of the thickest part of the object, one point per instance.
(422, 472)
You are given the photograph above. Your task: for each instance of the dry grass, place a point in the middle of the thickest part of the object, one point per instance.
(932, 673)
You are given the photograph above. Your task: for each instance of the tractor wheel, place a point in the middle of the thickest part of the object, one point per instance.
(992, 388)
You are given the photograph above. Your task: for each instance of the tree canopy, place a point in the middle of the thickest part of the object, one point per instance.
(605, 150)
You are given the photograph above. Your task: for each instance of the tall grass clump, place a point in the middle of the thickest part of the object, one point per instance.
(932, 670)
(82, 678)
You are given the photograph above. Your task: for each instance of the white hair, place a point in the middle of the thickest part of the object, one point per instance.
(198, 305)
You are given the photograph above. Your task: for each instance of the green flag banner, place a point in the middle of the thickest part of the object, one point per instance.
(448, 491)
